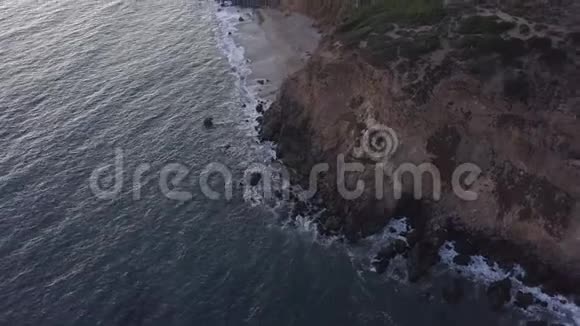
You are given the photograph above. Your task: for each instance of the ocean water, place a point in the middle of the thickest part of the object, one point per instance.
(126, 85)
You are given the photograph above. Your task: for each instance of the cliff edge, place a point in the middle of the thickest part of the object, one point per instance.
(481, 87)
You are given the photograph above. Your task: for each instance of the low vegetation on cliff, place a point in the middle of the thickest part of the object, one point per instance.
(481, 84)
(379, 17)
(423, 41)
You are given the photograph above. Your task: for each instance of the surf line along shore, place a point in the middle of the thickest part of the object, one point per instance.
(276, 44)
(339, 81)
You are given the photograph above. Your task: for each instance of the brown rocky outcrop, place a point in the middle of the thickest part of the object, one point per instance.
(476, 86)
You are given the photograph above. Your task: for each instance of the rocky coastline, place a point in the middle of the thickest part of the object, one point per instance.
(489, 85)
(494, 85)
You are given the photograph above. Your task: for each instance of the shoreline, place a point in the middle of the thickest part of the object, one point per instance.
(276, 45)
(275, 52)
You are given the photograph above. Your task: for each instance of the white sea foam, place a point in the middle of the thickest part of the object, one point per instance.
(479, 270)
(306, 224)
(483, 271)
(364, 252)
(395, 230)
(228, 21)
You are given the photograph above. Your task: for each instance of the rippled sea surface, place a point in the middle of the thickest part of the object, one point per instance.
(86, 83)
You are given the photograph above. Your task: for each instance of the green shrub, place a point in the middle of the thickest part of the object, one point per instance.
(380, 15)
(484, 25)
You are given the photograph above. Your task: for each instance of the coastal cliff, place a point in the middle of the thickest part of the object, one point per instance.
(492, 86)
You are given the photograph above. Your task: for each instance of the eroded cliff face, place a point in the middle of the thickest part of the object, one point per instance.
(475, 86)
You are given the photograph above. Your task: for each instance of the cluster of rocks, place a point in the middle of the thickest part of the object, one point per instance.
(260, 109)
(251, 3)
(208, 122)
(421, 256)
(421, 252)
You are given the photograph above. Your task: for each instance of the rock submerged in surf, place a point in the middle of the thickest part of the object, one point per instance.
(208, 123)
(462, 260)
(499, 293)
(421, 258)
(524, 300)
(383, 258)
(260, 108)
(255, 178)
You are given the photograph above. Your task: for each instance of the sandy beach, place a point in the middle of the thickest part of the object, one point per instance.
(276, 45)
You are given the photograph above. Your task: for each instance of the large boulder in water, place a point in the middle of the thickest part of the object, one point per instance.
(208, 122)
(255, 178)
(499, 293)
(383, 258)
(421, 258)
(524, 299)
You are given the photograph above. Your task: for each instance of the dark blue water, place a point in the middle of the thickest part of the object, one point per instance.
(81, 80)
